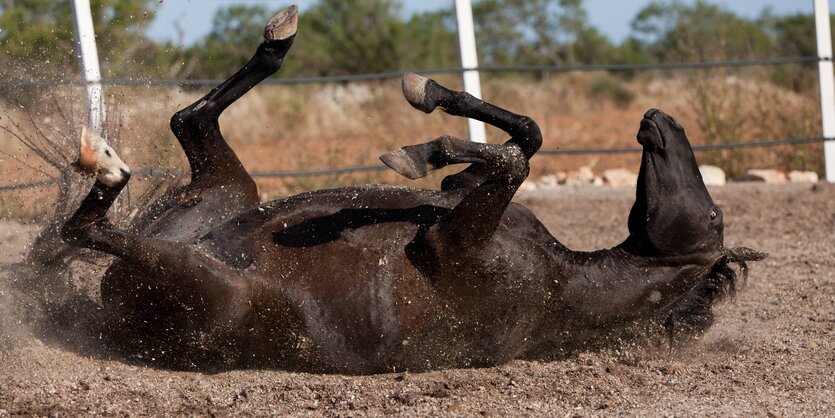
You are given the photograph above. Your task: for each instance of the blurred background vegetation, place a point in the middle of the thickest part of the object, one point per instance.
(343, 124)
(361, 36)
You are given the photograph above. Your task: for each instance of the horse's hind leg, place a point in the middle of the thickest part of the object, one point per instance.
(196, 127)
(426, 95)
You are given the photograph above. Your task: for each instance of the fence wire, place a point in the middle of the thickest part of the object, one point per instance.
(381, 167)
(23, 84)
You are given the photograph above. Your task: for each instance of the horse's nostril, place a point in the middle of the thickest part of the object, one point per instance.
(125, 173)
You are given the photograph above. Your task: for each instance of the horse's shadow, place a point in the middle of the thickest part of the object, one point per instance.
(324, 229)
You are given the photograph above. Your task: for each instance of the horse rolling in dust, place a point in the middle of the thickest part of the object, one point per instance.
(378, 278)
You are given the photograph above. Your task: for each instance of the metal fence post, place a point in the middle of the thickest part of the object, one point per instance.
(85, 39)
(827, 85)
(469, 60)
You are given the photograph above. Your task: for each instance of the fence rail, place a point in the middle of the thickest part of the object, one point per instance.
(21, 84)
(24, 84)
(381, 167)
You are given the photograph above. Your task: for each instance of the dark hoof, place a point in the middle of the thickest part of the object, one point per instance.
(283, 25)
(404, 162)
(415, 89)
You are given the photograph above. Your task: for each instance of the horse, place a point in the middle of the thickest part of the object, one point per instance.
(375, 278)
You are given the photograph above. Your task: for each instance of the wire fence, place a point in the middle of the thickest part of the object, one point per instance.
(24, 84)
(13, 85)
(381, 167)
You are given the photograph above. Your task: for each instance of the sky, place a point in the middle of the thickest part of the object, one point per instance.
(611, 17)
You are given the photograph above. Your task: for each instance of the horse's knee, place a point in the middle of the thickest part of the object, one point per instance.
(510, 165)
(516, 165)
(529, 136)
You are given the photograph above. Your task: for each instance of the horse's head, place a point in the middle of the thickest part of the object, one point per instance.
(673, 214)
(98, 158)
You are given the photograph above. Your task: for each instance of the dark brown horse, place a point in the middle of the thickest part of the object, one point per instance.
(378, 278)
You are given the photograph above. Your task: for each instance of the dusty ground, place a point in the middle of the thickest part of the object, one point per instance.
(771, 352)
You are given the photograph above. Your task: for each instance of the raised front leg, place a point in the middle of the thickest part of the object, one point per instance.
(464, 232)
(426, 95)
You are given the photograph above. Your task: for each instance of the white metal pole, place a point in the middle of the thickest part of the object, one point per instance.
(469, 59)
(827, 85)
(85, 40)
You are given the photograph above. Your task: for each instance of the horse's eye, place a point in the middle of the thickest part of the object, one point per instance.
(714, 213)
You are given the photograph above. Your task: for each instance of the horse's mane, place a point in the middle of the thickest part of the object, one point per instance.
(691, 314)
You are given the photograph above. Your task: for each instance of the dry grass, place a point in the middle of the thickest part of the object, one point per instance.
(291, 128)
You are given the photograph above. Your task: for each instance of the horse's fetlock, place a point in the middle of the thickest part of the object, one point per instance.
(516, 164)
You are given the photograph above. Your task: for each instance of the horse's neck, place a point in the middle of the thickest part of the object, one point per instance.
(616, 284)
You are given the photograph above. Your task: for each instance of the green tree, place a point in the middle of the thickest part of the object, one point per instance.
(573, 21)
(531, 32)
(37, 37)
(794, 36)
(431, 41)
(351, 37)
(498, 34)
(236, 32)
(33, 32)
(674, 30)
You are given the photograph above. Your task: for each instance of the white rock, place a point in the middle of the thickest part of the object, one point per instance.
(620, 177)
(548, 182)
(712, 175)
(527, 186)
(768, 175)
(582, 176)
(803, 177)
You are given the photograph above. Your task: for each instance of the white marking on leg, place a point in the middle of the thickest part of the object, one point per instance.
(100, 159)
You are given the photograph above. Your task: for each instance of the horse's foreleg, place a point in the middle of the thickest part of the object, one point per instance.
(196, 127)
(426, 95)
(183, 271)
(468, 227)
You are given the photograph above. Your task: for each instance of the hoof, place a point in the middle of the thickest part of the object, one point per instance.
(96, 157)
(405, 163)
(415, 90)
(283, 25)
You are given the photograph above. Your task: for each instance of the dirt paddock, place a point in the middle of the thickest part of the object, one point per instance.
(771, 352)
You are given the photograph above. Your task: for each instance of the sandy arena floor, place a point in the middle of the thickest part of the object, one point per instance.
(771, 352)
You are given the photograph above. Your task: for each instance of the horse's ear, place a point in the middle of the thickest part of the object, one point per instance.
(88, 155)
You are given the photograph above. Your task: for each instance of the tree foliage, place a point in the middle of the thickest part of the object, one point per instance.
(38, 35)
(674, 30)
(359, 36)
(536, 32)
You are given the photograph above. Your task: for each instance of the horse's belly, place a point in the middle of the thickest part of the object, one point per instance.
(366, 308)
(358, 296)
